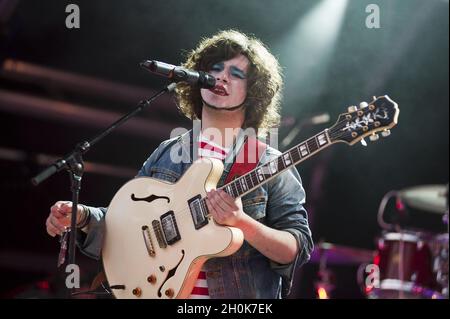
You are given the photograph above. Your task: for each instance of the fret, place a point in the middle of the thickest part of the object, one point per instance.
(307, 147)
(260, 174)
(303, 150)
(272, 167)
(266, 170)
(238, 186)
(286, 157)
(295, 154)
(234, 191)
(248, 179)
(254, 178)
(243, 183)
(322, 139)
(228, 190)
(312, 145)
(280, 163)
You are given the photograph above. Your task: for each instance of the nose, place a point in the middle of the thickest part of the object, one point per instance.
(223, 76)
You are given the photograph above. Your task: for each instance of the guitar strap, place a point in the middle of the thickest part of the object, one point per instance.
(247, 159)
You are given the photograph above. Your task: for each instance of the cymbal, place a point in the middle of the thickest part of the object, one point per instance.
(430, 198)
(341, 255)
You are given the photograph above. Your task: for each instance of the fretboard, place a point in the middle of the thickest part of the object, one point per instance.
(262, 174)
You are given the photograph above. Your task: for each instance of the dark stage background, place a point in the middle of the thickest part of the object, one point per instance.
(59, 86)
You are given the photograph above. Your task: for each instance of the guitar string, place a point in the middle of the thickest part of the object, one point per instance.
(181, 216)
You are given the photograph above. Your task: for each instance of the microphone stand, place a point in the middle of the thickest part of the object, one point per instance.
(73, 163)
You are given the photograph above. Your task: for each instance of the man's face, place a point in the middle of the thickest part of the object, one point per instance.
(231, 83)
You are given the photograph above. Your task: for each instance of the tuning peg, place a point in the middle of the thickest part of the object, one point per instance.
(386, 133)
(363, 105)
(374, 97)
(374, 137)
(363, 142)
(352, 109)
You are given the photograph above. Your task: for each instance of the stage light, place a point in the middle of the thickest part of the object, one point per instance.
(306, 50)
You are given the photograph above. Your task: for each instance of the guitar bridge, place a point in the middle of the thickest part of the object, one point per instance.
(148, 241)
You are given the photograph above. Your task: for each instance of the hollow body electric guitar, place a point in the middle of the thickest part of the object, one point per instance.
(159, 234)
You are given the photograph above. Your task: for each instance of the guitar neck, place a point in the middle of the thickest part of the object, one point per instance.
(264, 173)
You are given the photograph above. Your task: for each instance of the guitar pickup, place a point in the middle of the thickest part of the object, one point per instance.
(159, 233)
(198, 211)
(170, 228)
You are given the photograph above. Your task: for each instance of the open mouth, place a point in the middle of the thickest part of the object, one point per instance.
(219, 90)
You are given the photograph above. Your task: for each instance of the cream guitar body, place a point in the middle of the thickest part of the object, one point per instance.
(161, 262)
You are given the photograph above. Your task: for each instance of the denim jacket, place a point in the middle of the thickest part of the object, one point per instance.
(277, 204)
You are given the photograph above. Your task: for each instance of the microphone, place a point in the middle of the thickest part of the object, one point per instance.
(180, 74)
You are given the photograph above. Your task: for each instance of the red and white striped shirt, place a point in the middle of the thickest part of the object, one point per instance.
(207, 148)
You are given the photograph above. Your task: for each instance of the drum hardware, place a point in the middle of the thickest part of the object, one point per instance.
(335, 254)
(327, 254)
(325, 283)
(413, 264)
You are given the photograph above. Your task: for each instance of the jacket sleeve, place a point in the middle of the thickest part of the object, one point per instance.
(285, 212)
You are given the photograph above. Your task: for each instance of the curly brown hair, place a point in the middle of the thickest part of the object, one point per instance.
(264, 82)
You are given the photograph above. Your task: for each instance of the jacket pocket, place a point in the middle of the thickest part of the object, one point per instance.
(255, 206)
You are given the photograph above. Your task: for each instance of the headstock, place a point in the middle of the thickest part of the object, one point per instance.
(368, 119)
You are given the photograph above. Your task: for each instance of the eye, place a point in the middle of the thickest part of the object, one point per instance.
(218, 67)
(238, 73)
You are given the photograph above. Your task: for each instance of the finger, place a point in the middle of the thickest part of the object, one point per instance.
(229, 201)
(217, 203)
(55, 223)
(47, 227)
(211, 208)
(58, 211)
(66, 207)
(52, 230)
(211, 204)
(51, 233)
(57, 214)
(216, 214)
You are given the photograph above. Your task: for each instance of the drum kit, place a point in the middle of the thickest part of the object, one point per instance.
(408, 263)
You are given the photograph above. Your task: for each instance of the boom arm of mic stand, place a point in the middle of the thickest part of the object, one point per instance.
(73, 163)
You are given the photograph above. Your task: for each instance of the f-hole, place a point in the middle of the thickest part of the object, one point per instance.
(171, 273)
(150, 198)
